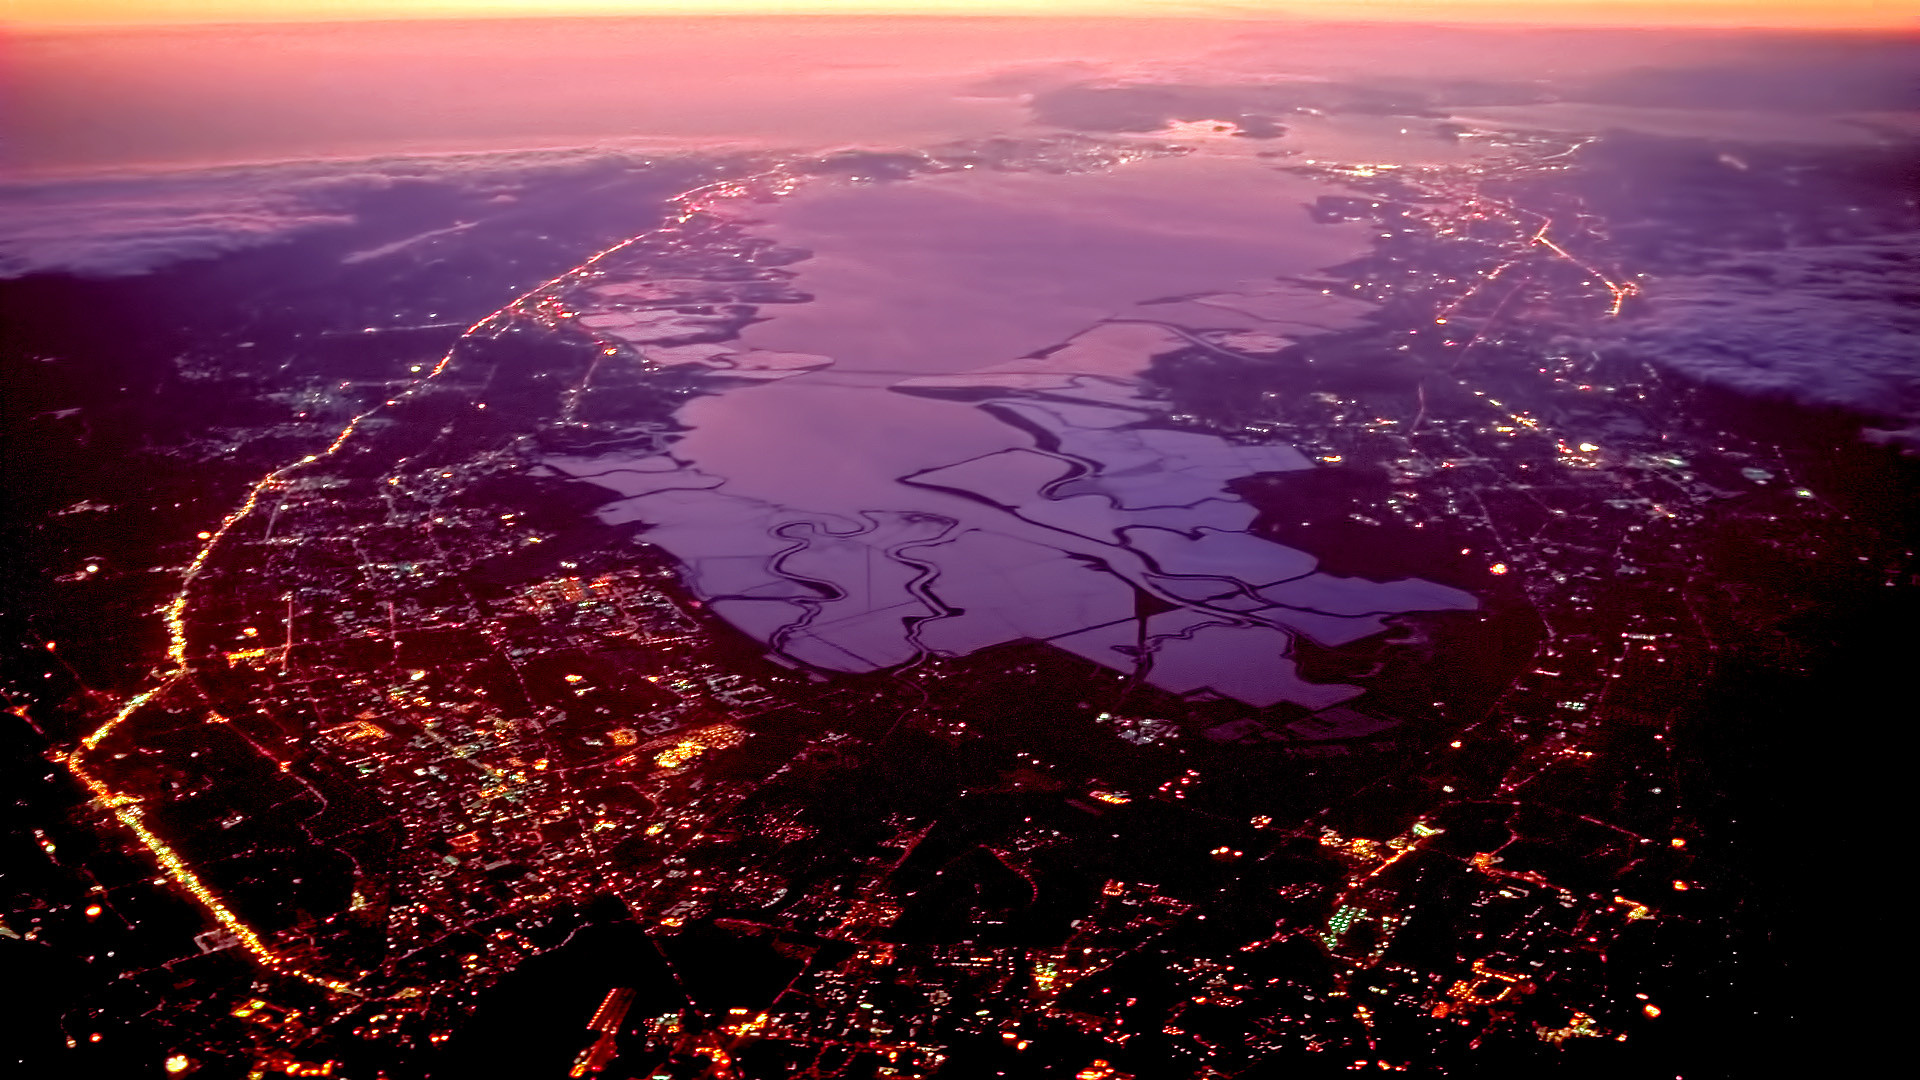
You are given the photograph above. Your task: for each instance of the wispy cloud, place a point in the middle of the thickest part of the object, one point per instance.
(135, 223)
(1835, 325)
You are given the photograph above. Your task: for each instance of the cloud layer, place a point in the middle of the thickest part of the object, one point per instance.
(1835, 325)
(128, 224)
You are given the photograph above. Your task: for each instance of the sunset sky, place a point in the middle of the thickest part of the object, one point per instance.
(1796, 13)
(84, 95)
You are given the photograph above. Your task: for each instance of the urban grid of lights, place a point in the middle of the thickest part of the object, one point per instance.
(1350, 909)
(126, 808)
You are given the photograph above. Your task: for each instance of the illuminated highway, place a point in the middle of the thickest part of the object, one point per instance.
(571, 734)
(126, 808)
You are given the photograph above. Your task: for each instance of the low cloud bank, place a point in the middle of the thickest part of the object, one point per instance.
(1838, 74)
(1831, 326)
(135, 223)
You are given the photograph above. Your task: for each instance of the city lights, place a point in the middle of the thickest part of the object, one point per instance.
(1092, 701)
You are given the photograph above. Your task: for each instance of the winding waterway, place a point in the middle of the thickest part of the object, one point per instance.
(854, 522)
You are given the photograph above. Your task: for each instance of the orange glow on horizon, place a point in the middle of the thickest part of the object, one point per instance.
(1803, 14)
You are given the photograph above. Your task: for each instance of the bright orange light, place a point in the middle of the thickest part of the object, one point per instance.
(1794, 13)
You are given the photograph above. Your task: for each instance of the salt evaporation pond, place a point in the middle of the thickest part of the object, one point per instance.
(860, 515)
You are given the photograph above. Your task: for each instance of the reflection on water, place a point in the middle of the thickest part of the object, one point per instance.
(1775, 126)
(862, 515)
(961, 271)
(1403, 140)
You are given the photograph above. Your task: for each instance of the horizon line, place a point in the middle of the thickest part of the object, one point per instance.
(1908, 25)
